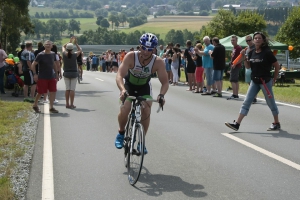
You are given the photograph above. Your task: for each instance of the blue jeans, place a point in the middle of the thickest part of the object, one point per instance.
(218, 75)
(103, 67)
(209, 76)
(252, 92)
(2, 70)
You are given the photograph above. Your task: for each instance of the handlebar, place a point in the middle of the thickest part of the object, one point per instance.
(145, 99)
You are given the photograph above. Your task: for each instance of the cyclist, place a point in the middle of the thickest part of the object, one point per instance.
(79, 63)
(136, 70)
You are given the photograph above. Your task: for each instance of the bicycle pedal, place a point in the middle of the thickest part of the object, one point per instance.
(136, 152)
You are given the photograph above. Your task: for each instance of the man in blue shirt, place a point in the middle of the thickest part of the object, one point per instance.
(207, 63)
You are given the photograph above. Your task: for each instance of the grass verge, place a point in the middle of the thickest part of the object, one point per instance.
(288, 93)
(12, 116)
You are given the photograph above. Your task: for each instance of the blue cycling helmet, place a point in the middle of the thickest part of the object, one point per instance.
(149, 40)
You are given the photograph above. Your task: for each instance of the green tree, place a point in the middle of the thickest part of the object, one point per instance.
(112, 17)
(14, 20)
(187, 35)
(52, 27)
(289, 32)
(37, 15)
(74, 26)
(204, 4)
(117, 24)
(104, 23)
(63, 25)
(222, 25)
(39, 27)
(99, 18)
(219, 4)
(248, 22)
(184, 6)
(170, 36)
(101, 12)
(122, 18)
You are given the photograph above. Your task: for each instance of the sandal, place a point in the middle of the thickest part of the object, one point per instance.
(36, 109)
(68, 107)
(53, 110)
(72, 107)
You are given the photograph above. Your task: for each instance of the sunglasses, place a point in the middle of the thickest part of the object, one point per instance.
(248, 40)
(146, 48)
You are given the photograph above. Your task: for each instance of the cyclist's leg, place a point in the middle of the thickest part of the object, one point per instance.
(146, 92)
(80, 69)
(146, 112)
(123, 115)
(122, 119)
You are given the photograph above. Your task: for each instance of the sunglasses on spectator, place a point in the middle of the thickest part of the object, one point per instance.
(248, 40)
(146, 48)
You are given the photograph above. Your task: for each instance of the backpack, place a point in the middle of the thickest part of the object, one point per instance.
(94, 60)
(11, 79)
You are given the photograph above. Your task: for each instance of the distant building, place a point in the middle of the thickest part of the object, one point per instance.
(166, 7)
(236, 7)
(233, 5)
(273, 3)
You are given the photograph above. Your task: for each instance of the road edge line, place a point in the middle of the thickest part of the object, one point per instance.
(47, 180)
(263, 151)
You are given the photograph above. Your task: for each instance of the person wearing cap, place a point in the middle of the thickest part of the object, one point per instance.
(136, 70)
(3, 56)
(70, 70)
(261, 60)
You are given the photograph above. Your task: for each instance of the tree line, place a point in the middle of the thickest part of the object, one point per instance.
(63, 15)
(15, 20)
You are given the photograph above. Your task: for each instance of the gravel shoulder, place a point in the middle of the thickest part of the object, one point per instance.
(20, 174)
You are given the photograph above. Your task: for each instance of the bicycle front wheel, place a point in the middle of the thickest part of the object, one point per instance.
(136, 154)
(127, 140)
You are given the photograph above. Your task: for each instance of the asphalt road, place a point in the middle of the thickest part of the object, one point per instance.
(190, 155)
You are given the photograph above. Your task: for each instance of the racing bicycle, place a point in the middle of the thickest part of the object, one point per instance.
(134, 140)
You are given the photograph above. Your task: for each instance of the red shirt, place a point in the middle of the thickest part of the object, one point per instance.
(235, 53)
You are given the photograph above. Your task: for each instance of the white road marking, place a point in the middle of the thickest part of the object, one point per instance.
(47, 184)
(99, 79)
(285, 104)
(263, 151)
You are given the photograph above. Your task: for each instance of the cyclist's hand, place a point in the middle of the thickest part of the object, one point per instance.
(123, 95)
(161, 100)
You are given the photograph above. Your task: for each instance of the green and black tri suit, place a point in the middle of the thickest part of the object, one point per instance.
(137, 80)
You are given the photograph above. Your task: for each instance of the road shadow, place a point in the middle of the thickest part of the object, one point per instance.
(157, 184)
(60, 114)
(83, 83)
(82, 110)
(276, 134)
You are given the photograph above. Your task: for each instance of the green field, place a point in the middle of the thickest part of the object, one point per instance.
(160, 25)
(163, 24)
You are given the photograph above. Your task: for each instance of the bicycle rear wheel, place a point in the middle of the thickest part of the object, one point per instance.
(136, 154)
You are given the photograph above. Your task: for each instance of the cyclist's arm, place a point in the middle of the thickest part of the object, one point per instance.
(123, 70)
(162, 75)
